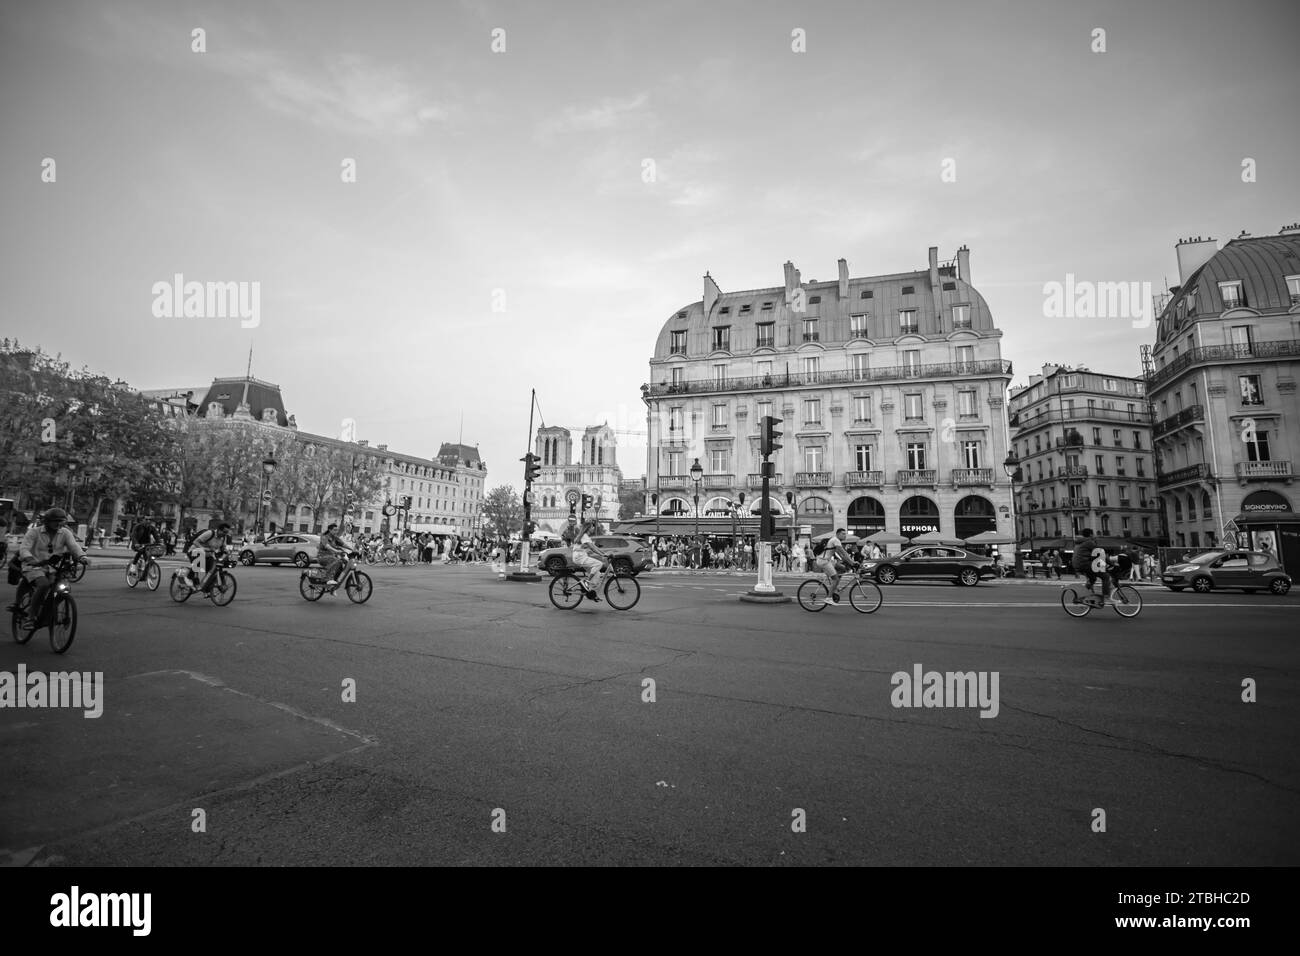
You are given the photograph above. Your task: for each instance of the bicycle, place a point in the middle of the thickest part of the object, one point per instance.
(568, 590)
(314, 584)
(218, 585)
(59, 612)
(864, 593)
(1079, 603)
(150, 570)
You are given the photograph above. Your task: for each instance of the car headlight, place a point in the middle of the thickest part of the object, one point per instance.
(869, 565)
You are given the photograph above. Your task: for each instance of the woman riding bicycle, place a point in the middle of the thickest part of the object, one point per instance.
(589, 558)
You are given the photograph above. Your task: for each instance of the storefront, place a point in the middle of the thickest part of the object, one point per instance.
(918, 516)
(866, 517)
(974, 515)
(1268, 522)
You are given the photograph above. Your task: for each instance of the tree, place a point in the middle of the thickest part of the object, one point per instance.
(503, 512)
(631, 502)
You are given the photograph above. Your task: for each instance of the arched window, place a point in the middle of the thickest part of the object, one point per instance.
(1105, 524)
(1191, 506)
(1178, 508)
(1206, 509)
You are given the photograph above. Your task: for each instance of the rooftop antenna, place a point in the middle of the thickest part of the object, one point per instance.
(460, 440)
(250, 363)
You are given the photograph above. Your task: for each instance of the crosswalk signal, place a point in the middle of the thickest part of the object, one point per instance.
(769, 444)
(586, 502)
(532, 470)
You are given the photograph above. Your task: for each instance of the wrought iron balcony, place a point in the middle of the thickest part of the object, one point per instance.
(1264, 471)
(1194, 413)
(916, 477)
(786, 380)
(812, 336)
(1198, 472)
(812, 479)
(1223, 353)
(756, 481)
(864, 479)
(673, 481)
(713, 482)
(972, 477)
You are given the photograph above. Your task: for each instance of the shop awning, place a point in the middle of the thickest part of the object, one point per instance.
(1258, 518)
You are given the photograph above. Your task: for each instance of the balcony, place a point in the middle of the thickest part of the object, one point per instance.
(718, 482)
(785, 380)
(1181, 476)
(1073, 471)
(765, 343)
(1195, 413)
(1066, 417)
(1207, 354)
(756, 481)
(1264, 471)
(812, 479)
(673, 481)
(917, 477)
(812, 336)
(864, 479)
(972, 477)
(677, 350)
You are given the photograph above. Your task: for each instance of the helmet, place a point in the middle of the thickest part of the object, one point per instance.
(54, 515)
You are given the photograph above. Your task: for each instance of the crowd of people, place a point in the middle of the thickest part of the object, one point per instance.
(1142, 565)
(739, 554)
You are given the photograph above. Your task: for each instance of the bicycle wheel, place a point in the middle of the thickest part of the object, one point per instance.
(311, 587)
(813, 595)
(866, 597)
(22, 604)
(359, 587)
(622, 592)
(152, 575)
(78, 572)
(179, 591)
(132, 575)
(1130, 599)
(63, 623)
(1074, 604)
(223, 588)
(390, 558)
(565, 592)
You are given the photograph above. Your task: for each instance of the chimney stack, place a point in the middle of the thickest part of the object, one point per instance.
(1192, 254)
(1290, 230)
(711, 293)
(934, 267)
(844, 280)
(791, 282)
(963, 264)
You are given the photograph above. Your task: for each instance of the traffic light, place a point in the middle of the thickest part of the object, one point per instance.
(529, 528)
(586, 502)
(406, 502)
(532, 470)
(769, 444)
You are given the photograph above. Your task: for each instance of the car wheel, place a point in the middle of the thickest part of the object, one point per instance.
(555, 565)
(1202, 585)
(1280, 586)
(246, 559)
(886, 575)
(969, 577)
(300, 560)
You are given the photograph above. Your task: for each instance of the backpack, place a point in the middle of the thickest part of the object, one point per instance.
(818, 548)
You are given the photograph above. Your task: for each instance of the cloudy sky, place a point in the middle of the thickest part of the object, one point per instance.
(500, 234)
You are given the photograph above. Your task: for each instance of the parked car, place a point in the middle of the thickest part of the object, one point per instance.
(1250, 571)
(627, 555)
(279, 548)
(963, 567)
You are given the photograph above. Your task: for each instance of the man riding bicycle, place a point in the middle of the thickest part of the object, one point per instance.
(834, 562)
(331, 553)
(203, 549)
(142, 535)
(590, 559)
(40, 547)
(1095, 566)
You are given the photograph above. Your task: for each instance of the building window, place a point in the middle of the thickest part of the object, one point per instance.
(812, 458)
(916, 455)
(862, 408)
(810, 333)
(764, 409)
(1096, 436)
(912, 363)
(766, 335)
(859, 366)
(906, 321)
(966, 404)
(862, 457)
(765, 369)
(1119, 464)
(1250, 390)
(720, 376)
(767, 306)
(1206, 509)
(1069, 381)
(1102, 498)
(679, 343)
(1115, 438)
(1100, 463)
(1141, 467)
(1257, 450)
(1230, 293)
(675, 463)
(679, 377)
(1293, 289)
(909, 290)
(970, 453)
(812, 364)
(965, 358)
(719, 416)
(722, 338)
(812, 412)
(718, 462)
(866, 294)
(1146, 527)
(961, 316)
(1137, 439)
(858, 325)
(1109, 385)
(675, 419)
(912, 406)
(1105, 524)
(747, 308)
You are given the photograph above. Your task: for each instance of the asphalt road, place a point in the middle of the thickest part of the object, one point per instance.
(477, 702)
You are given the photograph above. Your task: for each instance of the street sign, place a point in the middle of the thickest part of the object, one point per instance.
(266, 495)
(573, 519)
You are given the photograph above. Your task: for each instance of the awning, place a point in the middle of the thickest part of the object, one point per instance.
(1265, 518)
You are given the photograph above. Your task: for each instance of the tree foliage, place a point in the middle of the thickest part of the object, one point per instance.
(503, 512)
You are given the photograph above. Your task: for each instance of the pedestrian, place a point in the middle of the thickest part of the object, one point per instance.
(1054, 564)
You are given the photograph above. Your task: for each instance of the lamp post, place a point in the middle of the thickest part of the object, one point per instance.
(654, 500)
(268, 469)
(1012, 467)
(697, 476)
(793, 502)
(72, 486)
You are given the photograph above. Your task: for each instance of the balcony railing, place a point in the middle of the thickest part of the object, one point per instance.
(812, 479)
(756, 481)
(765, 343)
(914, 477)
(1223, 353)
(971, 477)
(891, 373)
(1194, 413)
(1264, 470)
(1073, 471)
(672, 481)
(1180, 476)
(718, 481)
(812, 336)
(1065, 416)
(864, 479)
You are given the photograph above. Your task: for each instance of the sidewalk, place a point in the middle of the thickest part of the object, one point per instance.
(800, 575)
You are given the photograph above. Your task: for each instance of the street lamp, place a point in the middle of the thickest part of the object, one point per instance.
(697, 475)
(72, 485)
(654, 500)
(1012, 467)
(793, 502)
(268, 468)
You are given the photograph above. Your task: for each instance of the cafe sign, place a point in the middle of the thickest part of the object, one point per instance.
(1265, 503)
(910, 529)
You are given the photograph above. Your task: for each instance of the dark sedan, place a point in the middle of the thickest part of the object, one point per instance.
(1249, 571)
(953, 564)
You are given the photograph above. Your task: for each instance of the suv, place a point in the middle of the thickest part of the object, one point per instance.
(1250, 571)
(627, 555)
(275, 550)
(956, 564)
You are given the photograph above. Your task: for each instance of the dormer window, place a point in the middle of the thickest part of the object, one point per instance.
(909, 290)
(722, 338)
(1230, 292)
(867, 294)
(725, 310)
(949, 287)
(814, 300)
(681, 314)
(746, 309)
(767, 306)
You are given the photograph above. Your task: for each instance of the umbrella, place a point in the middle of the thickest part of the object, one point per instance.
(936, 539)
(989, 537)
(886, 537)
(848, 539)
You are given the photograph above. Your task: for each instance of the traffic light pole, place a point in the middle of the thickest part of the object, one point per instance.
(525, 558)
(765, 591)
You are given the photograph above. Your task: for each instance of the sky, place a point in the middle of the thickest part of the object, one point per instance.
(503, 232)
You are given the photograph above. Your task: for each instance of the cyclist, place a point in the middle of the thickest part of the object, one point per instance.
(42, 543)
(331, 553)
(1083, 562)
(589, 558)
(142, 535)
(203, 548)
(834, 561)
(1121, 566)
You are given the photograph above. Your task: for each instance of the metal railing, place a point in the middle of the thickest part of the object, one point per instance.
(1279, 468)
(672, 481)
(1223, 353)
(1181, 475)
(1193, 413)
(1136, 417)
(750, 383)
